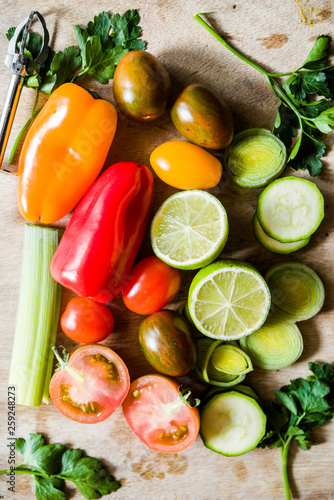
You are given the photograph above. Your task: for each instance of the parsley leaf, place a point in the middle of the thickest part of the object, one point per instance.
(285, 125)
(100, 27)
(298, 408)
(308, 156)
(97, 62)
(88, 474)
(318, 54)
(28, 447)
(304, 83)
(125, 30)
(52, 464)
(105, 41)
(62, 66)
(49, 488)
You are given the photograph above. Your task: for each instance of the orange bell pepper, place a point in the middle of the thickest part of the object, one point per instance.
(63, 153)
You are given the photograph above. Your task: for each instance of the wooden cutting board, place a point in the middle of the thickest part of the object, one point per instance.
(278, 35)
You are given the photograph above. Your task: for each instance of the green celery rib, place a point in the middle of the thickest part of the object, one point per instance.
(37, 318)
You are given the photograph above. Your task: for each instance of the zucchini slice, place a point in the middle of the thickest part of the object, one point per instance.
(277, 344)
(232, 423)
(295, 289)
(255, 158)
(290, 209)
(275, 246)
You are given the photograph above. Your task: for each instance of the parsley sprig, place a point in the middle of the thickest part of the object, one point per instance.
(52, 464)
(101, 45)
(296, 410)
(305, 107)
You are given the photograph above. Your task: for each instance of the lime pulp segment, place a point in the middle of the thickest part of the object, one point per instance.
(189, 230)
(228, 300)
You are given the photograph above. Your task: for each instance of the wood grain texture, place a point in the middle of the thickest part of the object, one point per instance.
(274, 34)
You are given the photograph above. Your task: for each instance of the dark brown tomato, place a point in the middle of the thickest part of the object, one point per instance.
(142, 87)
(203, 118)
(167, 343)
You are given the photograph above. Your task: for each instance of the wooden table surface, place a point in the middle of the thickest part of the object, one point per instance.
(278, 35)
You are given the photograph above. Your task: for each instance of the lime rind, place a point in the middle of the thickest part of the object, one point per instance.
(296, 290)
(273, 245)
(290, 209)
(189, 230)
(228, 299)
(255, 158)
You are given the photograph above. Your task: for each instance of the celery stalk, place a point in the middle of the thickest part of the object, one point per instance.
(37, 318)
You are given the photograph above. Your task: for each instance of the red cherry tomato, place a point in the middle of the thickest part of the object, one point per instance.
(158, 415)
(87, 321)
(91, 385)
(152, 284)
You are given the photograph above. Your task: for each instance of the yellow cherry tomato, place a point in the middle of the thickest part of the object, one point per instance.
(186, 166)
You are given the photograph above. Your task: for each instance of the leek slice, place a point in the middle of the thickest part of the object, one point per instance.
(231, 359)
(207, 372)
(273, 245)
(37, 318)
(255, 158)
(295, 289)
(277, 344)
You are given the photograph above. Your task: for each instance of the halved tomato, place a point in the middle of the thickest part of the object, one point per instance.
(90, 384)
(160, 415)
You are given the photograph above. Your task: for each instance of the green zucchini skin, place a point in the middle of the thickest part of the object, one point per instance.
(202, 117)
(167, 343)
(232, 423)
(273, 245)
(290, 209)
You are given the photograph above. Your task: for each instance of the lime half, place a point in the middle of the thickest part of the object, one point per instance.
(228, 299)
(189, 230)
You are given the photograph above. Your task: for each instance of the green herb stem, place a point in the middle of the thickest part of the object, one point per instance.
(19, 137)
(284, 455)
(227, 45)
(23, 470)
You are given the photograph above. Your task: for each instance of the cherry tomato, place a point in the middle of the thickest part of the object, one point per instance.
(158, 415)
(167, 343)
(186, 166)
(141, 86)
(91, 385)
(87, 321)
(151, 286)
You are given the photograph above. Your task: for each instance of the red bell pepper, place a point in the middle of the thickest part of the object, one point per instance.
(102, 239)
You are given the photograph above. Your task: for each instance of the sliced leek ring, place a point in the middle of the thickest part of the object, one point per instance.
(273, 245)
(255, 158)
(295, 289)
(277, 344)
(204, 369)
(231, 359)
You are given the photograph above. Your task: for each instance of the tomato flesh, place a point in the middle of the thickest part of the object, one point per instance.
(152, 285)
(86, 320)
(92, 386)
(159, 418)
